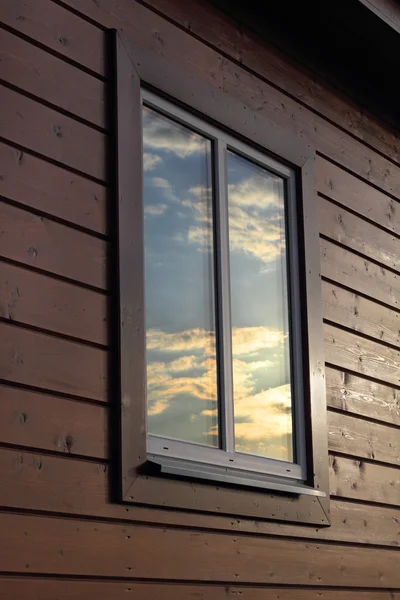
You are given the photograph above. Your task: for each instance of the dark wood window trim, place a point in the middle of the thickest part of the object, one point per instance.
(135, 65)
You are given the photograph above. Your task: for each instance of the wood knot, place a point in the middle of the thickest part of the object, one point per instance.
(22, 418)
(57, 130)
(68, 443)
(38, 464)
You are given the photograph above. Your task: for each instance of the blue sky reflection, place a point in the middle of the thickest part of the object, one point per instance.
(261, 368)
(181, 343)
(181, 363)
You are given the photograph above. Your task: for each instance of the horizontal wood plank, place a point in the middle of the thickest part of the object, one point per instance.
(43, 130)
(357, 437)
(353, 193)
(348, 351)
(362, 396)
(150, 29)
(153, 31)
(364, 481)
(328, 139)
(82, 488)
(66, 589)
(34, 70)
(47, 362)
(51, 189)
(42, 243)
(326, 100)
(342, 226)
(201, 19)
(47, 303)
(62, 31)
(356, 312)
(359, 274)
(68, 548)
(52, 545)
(213, 26)
(51, 423)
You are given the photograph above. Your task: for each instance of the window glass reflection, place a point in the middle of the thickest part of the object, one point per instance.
(259, 304)
(180, 328)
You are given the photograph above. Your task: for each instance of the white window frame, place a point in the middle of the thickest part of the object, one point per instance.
(225, 464)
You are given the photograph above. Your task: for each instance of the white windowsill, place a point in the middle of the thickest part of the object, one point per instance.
(187, 468)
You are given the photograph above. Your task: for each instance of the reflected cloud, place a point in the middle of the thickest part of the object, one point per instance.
(252, 230)
(201, 204)
(256, 225)
(160, 133)
(263, 424)
(165, 187)
(262, 416)
(150, 161)
(181, 362)
(250, 340)
(256, 191)
(245, 340)
(155, 209)
(182, 341)
(254, 233)
(166, 381)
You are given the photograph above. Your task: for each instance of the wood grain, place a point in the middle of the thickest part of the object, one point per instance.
(42, 243)
(318, 95)
(44, 361)
(360, 438)
(348, 351)
(212, 26)
(66, 589)
(34, 544)
(56, 424)
(155, 32)
(357, 195)
(328, 139)
(362, 396)
(61, 30)
(51, 189)
(44, 75)
(83, 488)
(248, 551)
(360, 314)
(145, 27)
(201, 19)
(46, 131)
(359, 274)
(364, 481)
(41, 301)
(359, 235)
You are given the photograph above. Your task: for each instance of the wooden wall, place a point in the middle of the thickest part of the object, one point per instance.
(62, 539)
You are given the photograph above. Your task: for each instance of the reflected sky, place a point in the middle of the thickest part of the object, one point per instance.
(261, 370)
(181, 363)
(181, 343)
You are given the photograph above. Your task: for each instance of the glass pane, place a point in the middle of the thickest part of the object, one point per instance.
(259, 299)
(180, 328)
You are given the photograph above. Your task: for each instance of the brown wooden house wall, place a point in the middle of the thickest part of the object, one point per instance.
(62, 537)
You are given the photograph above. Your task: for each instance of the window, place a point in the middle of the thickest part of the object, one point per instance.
(221, 365)
(224, 360)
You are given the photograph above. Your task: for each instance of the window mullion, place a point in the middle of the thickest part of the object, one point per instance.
(224, 304)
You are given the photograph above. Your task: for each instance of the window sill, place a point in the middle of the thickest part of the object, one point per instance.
(186, 468)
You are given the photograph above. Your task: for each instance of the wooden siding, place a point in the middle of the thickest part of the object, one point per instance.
(63, 536)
